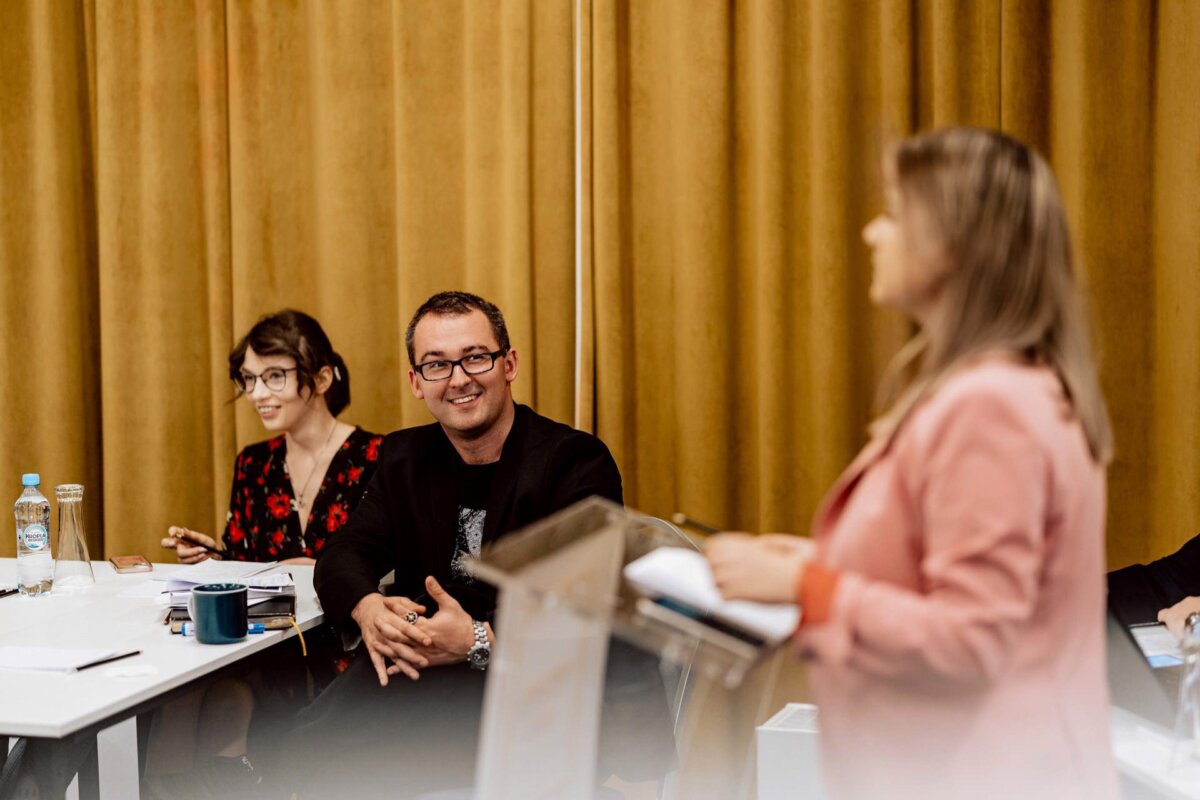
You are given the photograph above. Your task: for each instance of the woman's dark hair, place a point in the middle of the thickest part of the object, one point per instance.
(296, 334)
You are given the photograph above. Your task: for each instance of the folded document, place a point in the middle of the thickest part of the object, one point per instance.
(683, 575)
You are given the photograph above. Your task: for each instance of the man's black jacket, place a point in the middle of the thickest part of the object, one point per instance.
(407, 519)
(1138, 592)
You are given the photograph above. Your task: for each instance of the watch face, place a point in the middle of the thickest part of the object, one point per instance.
(479, 657)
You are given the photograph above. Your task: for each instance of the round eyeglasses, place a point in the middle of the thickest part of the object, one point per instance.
(472, 364)
(274, 378)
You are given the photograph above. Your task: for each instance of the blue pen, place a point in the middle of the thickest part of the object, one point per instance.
(189, 628)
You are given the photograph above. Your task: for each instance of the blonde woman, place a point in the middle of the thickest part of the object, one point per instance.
(954, 599)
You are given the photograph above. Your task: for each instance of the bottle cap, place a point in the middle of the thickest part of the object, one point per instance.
(31, 479)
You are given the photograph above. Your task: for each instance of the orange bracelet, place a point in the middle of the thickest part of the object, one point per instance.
(815, 589)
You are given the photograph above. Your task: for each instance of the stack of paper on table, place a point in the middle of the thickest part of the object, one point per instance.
(683, 575)
(258, 589)
(178, 585)
(216, 571)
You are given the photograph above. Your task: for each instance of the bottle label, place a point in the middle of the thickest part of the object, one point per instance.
(35, 536)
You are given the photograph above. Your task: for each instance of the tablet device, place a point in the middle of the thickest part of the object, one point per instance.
(1135, 685)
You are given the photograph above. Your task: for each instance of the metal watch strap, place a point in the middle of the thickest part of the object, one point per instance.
(480, 652)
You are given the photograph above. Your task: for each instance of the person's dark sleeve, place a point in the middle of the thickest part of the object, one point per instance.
(583, 467)
(356, 558)
(1138, 592)
(1179, 573)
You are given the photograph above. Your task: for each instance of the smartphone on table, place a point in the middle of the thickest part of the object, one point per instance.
(122, 564)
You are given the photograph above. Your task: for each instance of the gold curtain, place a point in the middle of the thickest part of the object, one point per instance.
(733, 160)
(172, 171)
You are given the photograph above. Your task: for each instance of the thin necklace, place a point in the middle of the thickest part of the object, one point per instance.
(299, 502)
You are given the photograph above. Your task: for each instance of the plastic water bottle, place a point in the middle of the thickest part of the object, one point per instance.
(35, 567)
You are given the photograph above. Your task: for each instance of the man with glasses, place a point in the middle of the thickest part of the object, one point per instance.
(486, 467)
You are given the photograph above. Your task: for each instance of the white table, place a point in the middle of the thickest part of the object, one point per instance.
(1148, 754)
(54, 705)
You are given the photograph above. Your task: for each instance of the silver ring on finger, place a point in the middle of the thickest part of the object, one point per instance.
(410, 617)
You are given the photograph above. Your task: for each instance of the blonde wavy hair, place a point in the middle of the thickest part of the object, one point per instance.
(993, 209)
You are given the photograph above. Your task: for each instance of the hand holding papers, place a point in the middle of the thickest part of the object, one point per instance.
(683, 575)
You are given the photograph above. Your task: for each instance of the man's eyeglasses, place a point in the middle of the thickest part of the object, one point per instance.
(473, 364)
(274, 378)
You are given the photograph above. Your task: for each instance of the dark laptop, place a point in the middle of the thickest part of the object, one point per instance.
(1135, 685)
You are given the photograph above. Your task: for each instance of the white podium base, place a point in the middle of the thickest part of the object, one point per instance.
(789, 761)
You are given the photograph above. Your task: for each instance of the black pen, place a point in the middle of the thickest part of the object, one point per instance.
(193, 543)
(7, 592)
(108, 660)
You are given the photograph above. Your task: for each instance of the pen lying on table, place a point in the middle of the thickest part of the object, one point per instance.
(108, 660)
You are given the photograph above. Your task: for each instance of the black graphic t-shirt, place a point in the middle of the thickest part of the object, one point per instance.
(476, 487)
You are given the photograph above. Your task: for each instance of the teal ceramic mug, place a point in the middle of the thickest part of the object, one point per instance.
(219, 612)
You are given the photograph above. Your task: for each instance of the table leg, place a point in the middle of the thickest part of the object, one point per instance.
(117, 754)
(89, 776)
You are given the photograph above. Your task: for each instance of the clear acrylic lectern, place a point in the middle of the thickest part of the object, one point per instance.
(591, 682)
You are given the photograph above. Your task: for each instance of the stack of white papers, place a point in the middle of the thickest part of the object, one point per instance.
(173, 588)
(259, 588)
(683, 575)
(214, 571)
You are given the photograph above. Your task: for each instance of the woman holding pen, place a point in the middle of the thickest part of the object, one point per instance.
(291, 492)
(953, 604)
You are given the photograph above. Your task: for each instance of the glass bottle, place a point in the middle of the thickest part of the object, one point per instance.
(72, 567)
(1187, 722)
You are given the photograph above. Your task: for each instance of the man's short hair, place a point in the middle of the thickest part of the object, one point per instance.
(453, 304)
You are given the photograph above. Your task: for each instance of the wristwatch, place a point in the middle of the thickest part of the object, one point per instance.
(481, 652)
(1192, 623)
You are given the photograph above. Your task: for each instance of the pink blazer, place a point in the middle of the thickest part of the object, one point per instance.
(964, 652)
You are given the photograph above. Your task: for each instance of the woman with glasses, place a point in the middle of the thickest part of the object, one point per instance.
(295, 490)
(953, 600)
(290, 494)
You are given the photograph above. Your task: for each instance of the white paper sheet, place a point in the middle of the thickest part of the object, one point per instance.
(214, 571)
(147, 589)
(682, 574)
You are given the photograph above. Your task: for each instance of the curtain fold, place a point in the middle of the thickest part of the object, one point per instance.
(160, 251)
(50, 392)
(733, 161)
(1169, 394)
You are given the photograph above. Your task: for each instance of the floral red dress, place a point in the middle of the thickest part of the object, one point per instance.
(264, 525)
